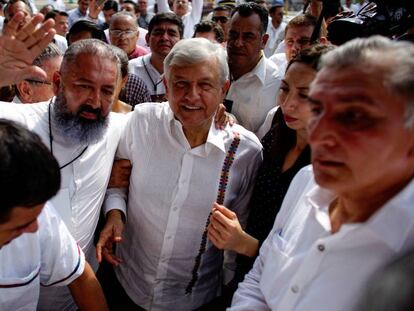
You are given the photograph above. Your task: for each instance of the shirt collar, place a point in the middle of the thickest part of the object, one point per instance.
(259, 71)
(392, 223)
(215, 136)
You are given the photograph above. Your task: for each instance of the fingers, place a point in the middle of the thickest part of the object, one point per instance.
(13, 24)
(224, 210)
(38, 40)
(124, 163)
(111, 257)
(117, 233)
(215, 238)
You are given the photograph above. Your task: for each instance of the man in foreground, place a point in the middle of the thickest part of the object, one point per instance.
(352, 213)
(36, 249)
(181, 165)
(82, 135)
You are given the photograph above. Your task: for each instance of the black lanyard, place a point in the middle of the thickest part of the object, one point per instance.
(51, 142)
(155, 85)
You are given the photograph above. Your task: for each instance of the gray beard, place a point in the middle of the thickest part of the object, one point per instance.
(74, 128)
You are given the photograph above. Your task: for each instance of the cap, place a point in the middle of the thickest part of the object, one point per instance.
(276, 3)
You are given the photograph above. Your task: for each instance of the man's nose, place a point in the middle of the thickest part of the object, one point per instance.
(321, 131)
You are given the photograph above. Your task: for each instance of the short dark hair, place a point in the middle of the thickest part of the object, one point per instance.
(311, 55)
(136, 7)
(110, 5)
(166, 18)
(85, 25)
(54, 13)
(30, 175)
(249, 8)
(210, 26)
(303, 20)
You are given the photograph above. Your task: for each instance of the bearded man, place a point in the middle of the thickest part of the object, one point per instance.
(81, 133)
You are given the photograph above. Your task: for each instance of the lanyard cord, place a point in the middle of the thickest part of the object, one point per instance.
(51, 142)
(152, 81)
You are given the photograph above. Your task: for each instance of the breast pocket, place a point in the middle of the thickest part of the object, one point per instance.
(20, 293)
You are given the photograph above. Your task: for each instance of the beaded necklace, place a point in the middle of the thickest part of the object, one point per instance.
(224, 179)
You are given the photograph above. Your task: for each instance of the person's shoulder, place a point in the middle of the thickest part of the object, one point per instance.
(247, 137)
(151, 110)
(272, 72)
(137, 62)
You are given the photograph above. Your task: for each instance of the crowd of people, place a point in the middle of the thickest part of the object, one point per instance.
(167, 159)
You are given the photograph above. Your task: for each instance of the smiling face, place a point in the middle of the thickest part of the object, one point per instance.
(293, 95)
(194, 93)
(21, 220)
(357, 134)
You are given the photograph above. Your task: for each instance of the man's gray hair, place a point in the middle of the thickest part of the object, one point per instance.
(50, 52)
(394, 59)
(95, 47)
(194, 51)
(124, 15)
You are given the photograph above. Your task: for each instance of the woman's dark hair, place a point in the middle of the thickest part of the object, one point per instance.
(285, 137)
(30, 175)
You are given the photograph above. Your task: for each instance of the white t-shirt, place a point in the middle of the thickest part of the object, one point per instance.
(47, 257)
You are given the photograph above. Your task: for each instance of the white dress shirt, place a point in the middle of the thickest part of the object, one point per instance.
(303, 266)
(171, 193)
(254, 94)
(27, 261)
(280, 60)
(190, 19)
(83, 184)
(142, 67)
(275, 37)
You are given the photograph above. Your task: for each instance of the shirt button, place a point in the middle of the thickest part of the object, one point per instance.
(294, 289)
(321, 247)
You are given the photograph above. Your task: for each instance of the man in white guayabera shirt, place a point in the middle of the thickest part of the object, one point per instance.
(181, 165)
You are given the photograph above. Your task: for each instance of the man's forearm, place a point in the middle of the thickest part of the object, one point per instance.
(87, 291)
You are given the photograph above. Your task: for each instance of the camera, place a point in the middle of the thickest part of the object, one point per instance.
(390, 18)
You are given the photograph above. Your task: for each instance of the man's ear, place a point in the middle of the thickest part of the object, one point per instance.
(323, 40)
(147, 38)
(25, 91)
(56, 82)
(265, 37)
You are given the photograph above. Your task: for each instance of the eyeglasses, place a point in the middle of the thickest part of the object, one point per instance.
(119, 33)
(221, 19)
(38, 82)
